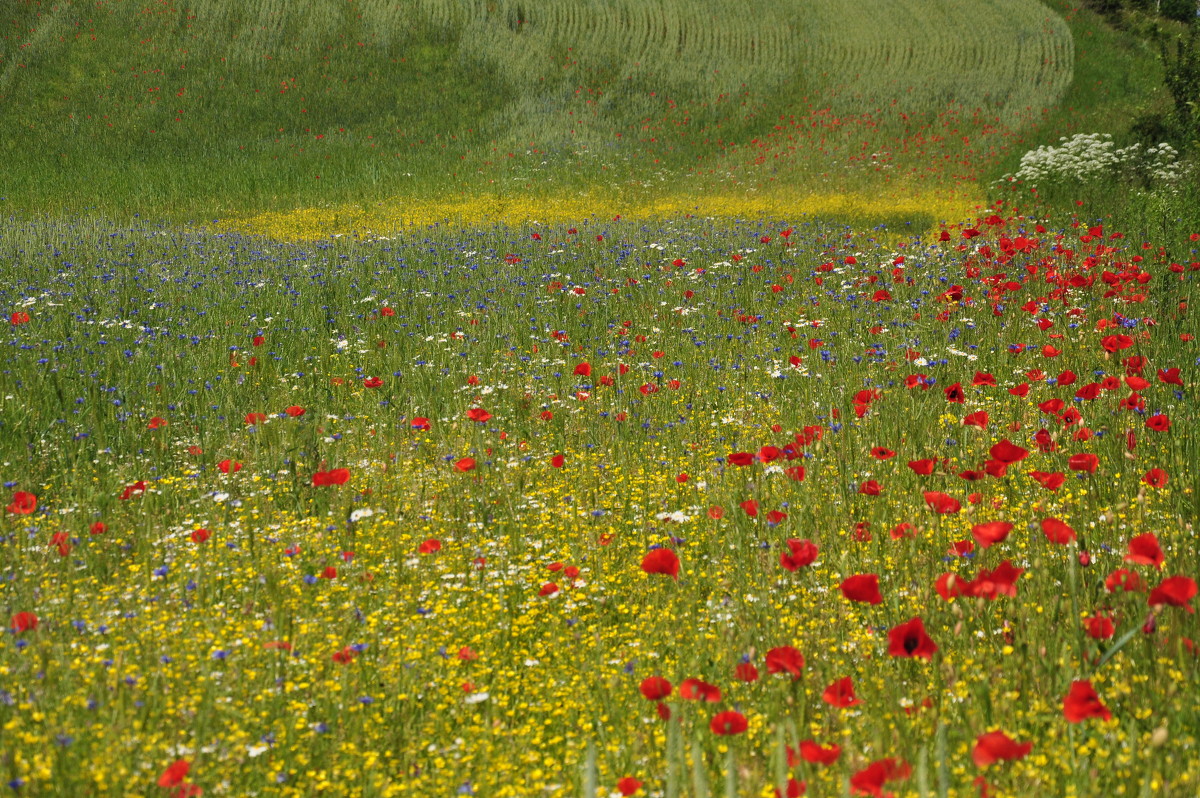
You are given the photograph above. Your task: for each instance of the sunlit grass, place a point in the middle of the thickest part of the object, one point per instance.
(522, 413)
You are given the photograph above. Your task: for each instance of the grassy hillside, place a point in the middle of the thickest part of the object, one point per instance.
(203, 109)
(1118, 88)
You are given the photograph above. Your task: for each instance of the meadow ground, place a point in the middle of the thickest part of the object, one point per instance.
(592, 428)
(424, 516)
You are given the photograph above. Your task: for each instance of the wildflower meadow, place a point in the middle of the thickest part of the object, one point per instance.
(855, 456)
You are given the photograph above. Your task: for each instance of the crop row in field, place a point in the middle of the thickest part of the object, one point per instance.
(269, 101)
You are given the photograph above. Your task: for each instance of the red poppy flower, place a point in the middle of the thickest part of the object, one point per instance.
(1082, 703)
(740, 458)
(478, 414)
(345, 656)
(817, 754)
(628, 786)
(557, 461)
(1044, 442)
(548, 589)
(175, 773)
(1176, 591)
(1159, 422)
(136, 489)
(1144, 550)
(697, 690)
(1136, 383)
(583, 369)
(776, 517)
(1000, 581)
(1008, 452)
(1170, 376)
(949, 586)
(1021, 390)
(800, 553)
(941, 503)
(1123, 579)
(746, 672)
(977, 419)
(954, 393)
(62, 542)
(1057, 531)
(910, 640)
(156, 423)
(661, 561)
(795, 473)
(655, 688)
(793, 789)
(841, 693)
(728, 722)
(1099, 627)
(226, 466)
(994, 746)
(23, 622)
(255, 418)
(768, 454)
(98, 528)
(22, 503)
(200, 535)
(922, 467)
(870, 780)
(1083, 462)
(882, 453)
(785, 659)
(18, 317)
(862, 588)
(983, 378)
(372, 382)
(337, 476)
(465, 464)
(961, 548)
(1155, 478)
(1048, 480)
(430, 546)
(990, 533)
(750, 506)
(915, 380)
(1112, 343)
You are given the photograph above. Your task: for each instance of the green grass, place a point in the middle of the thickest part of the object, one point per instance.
(190, 112)
(1118, 82)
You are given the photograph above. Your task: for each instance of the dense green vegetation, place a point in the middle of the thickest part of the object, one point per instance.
(210, 108)
(1126, 60)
